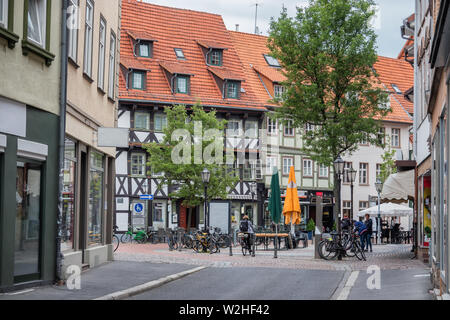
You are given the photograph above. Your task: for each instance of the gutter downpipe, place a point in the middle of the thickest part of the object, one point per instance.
(62, 133)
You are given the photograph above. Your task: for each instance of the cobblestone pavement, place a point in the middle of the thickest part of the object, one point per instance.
(389, 256)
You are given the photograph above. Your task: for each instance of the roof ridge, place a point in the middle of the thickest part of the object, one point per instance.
(248, 33)
(143, 2)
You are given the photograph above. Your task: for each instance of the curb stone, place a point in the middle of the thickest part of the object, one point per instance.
(123, 294)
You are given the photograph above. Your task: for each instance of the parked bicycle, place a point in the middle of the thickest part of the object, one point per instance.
(204, 241)
(115, 239)
(346, 244)
(139, 236)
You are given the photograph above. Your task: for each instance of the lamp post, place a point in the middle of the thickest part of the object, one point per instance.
(351, 175)
(338, 171)
(379, 187)
(253, 191)
(205, 178)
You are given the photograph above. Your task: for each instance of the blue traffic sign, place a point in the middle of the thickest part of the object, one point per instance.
(146, 197)
(138, 207)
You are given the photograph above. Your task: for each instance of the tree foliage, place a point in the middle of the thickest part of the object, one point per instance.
(327, 52)
(388, 166)
(187, 176)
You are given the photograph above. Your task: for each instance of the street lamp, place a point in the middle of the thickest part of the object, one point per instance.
(351, 176)
(338, 170)
(205, 178)
(379, 187)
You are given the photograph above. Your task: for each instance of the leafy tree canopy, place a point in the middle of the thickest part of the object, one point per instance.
(181, 140)
(327, 52)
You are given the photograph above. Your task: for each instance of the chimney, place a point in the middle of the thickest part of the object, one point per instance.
(237, 27)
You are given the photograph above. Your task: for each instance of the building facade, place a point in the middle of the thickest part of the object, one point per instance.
(437, 107)
(160, 67)
(92, 91)
(29, 124)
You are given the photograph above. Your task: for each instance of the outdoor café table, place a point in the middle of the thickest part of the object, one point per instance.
(267, 236)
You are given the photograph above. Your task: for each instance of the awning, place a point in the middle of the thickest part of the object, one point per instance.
(388, 210)
(399, 186)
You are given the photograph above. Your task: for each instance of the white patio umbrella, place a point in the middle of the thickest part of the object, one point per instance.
(387, 210)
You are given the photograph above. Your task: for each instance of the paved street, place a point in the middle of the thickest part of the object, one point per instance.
(249, 284)
(295, 275)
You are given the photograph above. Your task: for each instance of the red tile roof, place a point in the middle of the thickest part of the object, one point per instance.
(133, 63)
(211, 44)
(140, 35)
(251, 49)
(176, 67)
(180, 28)
(225, 74)
(401, 73)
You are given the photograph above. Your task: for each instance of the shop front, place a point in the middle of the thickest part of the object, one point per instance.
(28, 189)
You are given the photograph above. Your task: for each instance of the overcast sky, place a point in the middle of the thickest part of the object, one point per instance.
(242, 12)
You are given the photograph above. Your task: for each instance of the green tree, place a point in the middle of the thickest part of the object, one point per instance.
(187, 175)
(327, 52)
(388, 166)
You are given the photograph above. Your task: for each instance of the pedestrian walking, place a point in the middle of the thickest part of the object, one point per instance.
(368, 234)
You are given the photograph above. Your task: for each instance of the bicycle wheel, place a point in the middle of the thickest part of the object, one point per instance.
(326, 250)
(141, 238)
(351, 249)
(126, 238)
(213, 247)
(359, 252)
(196, 246)
(115, 242)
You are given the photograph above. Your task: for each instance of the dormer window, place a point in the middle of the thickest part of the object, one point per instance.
(271, 61)
(215, 57)
(278, 91)
(396, 89)
(144, 49)
(137, 80)
(180, 54)
(183, 84)
(233, 89)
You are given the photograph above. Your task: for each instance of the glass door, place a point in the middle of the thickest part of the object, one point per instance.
(28, 222)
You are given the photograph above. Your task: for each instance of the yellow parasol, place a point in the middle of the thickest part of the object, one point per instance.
(291, 209)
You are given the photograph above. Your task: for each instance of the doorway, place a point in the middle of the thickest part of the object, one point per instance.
(83, 205)
(27, 241)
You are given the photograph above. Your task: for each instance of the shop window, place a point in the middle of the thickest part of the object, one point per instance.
(70, 164)
(96, 186)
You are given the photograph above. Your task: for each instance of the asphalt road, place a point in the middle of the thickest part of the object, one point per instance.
(408, 284)
(249, 283)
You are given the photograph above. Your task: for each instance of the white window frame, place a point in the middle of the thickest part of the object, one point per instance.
(347, 167)
(4, 16)
(41, 22)
(286, 166)
(88, 37)
(101, 54)
(271, 162)
(365, 206)
(272, 127)
(323, 171)
(278, 91)
(288, 129)
(307, 168)
(147, 120)
(393, 144)
(363, 173)
(112, 66)
(73, 31)
(140, 166)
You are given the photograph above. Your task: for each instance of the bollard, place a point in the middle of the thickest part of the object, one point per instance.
(253, 245)
(181, 242)
(231, 245)
(275, 244)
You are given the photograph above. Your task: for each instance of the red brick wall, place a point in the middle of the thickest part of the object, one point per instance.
(182, 217)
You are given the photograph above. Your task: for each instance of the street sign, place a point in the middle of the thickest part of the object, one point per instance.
(146, 197)
(138, 207)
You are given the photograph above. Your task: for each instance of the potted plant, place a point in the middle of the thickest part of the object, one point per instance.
(310, 227)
